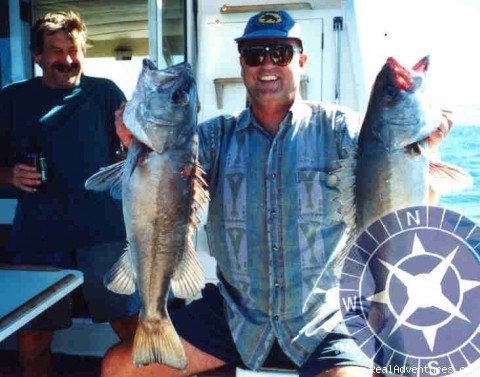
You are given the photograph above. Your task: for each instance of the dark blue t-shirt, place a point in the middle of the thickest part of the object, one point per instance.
(75, 130)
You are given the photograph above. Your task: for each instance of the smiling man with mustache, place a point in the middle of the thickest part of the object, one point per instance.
(70, 117)
(60, 55)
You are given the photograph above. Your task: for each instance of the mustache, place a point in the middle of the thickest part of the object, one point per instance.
(65, 68)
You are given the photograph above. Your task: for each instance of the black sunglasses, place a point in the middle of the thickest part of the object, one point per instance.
(280, 54)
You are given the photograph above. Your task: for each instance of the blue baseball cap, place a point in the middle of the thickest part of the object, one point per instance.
(271, 24)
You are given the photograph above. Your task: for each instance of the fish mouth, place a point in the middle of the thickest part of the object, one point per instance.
(148, 64)
(168, 82)
(161, 122)
(164, 119)
(405, 123)
(178, 69)
(403, 78)
(166, 78)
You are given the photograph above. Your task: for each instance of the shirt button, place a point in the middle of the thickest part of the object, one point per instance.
(332, 180)
(274, 175)
(273, 213)
(275, 247)
(277, 285)
(275, 318)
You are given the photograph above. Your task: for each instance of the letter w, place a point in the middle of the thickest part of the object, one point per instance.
(350, 304)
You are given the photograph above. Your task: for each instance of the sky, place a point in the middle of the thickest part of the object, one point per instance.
(447, 30)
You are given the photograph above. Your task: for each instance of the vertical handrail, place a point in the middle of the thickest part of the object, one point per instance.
(154, 36)
(338, 27)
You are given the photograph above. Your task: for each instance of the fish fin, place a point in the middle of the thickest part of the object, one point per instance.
(189, 279)
(445, 178)
(108, 178)
(345, 200)
(137, 153)
(156, 341)
(345, 212)
(121, 277)
(200, 193)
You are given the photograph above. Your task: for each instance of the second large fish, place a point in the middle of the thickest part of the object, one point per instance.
(390, 169)
(161, 187)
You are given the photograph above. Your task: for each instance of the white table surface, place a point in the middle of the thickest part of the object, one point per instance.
(25, 293)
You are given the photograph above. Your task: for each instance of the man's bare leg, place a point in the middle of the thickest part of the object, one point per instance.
(118, 363)
(125, 327)
(349, 371)
(34, 352)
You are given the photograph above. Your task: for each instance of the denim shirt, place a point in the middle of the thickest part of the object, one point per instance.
(274, 221)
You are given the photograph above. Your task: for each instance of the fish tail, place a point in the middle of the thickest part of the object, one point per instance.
(156, 341)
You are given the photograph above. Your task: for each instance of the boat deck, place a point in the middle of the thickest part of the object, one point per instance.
(78, 366)
(63, 365)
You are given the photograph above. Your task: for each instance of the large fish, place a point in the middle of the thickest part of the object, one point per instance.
(394, 169)
(390, 169)
(161, 187)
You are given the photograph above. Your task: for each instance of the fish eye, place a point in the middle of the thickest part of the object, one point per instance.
(181, 98)
(391, 92)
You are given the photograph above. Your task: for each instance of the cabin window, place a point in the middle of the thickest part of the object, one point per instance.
(15, 62)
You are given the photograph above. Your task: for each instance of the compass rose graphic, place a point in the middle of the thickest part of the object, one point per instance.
(410, 291)
(425, 291)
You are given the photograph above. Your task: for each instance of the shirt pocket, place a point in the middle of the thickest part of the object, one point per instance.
(317, 195)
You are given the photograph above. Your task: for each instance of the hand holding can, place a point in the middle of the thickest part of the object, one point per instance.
(38, 161)
(25, 177)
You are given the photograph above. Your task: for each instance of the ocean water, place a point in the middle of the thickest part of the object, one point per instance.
(462, 148)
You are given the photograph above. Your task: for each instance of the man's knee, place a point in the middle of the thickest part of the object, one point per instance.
(116, 358)
(118, 362)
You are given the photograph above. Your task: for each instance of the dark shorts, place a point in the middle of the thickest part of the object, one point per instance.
(101, 304)
(203, 324)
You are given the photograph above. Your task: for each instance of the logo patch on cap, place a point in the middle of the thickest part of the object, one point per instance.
(270, 18)
(271, 24)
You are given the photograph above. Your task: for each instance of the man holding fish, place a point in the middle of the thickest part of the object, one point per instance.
(278, 212)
